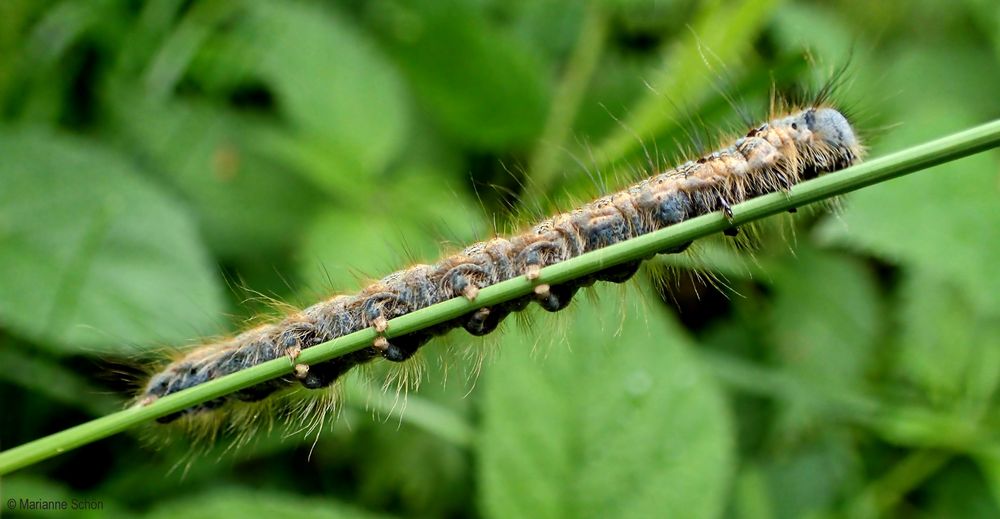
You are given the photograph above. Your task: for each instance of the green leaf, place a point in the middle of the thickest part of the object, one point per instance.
(42, 377)
(751, 499)
(247, 202)
(625, 425)
(947, 346)
(91, 254)
(804, 481)
(484, 87)
(331, 81)
(250, 503)
(825, 317)
(954, 230)
(943, 220)
(795, 28)
(823, 325)
(391, 451)
(959, 491)
(345, 245)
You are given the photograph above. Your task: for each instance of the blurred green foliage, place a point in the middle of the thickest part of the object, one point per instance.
(168, 168)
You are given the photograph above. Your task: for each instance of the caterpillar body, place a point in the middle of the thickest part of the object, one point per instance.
(792, 147)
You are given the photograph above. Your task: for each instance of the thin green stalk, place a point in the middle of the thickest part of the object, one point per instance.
(909, 473)
(878, 170)
(898, 424)
(721, 32)
(544, 163)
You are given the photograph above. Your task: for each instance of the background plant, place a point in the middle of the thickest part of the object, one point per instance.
(855, 375)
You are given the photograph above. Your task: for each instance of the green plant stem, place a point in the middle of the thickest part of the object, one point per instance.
(721, 32)
(544, 164)
(909, 473)
(878, 170)
(896, 423)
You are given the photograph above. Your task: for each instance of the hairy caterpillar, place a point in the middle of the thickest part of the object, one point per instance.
(792, 147)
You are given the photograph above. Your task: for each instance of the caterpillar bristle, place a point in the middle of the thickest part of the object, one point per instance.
(796, 144)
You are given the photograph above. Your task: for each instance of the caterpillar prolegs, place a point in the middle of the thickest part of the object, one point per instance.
(774, 156)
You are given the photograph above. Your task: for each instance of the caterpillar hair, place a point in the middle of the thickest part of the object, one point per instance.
(793, 146)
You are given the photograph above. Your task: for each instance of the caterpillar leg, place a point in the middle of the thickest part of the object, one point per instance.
(325, 373)
(487, 319)
(292, 346)
(462, 280)
(380, 324)
(171, 417)
(484, 320)
(555, 298)
(727, 210)
(372, 309)
(403, 347)
(620, 273)
(678, 249)
(258, 392)
(202, 407)
(533, 257)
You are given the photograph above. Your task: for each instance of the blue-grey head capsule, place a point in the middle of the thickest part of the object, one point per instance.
(831, 126)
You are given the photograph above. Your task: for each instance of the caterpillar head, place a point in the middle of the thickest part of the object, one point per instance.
(831, 127)
(825, 138)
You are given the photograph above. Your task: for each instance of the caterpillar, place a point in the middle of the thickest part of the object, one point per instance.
(793, 146)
